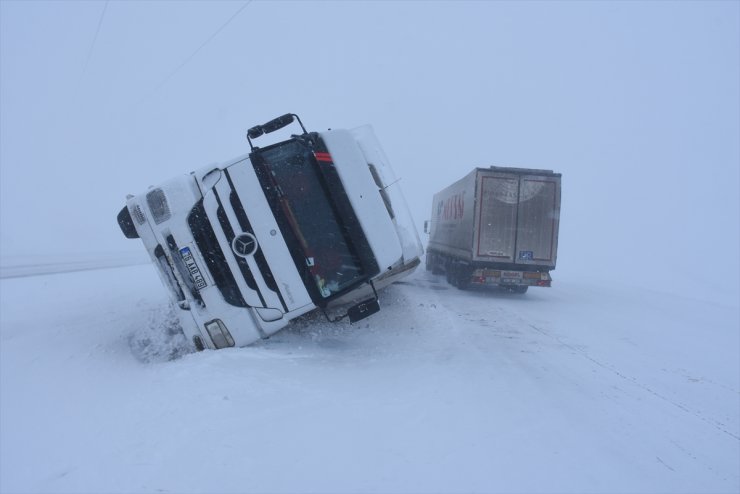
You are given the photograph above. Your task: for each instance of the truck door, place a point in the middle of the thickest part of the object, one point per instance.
(497, 219)
(537, 222)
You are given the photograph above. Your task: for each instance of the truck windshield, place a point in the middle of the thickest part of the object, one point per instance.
(301, 194)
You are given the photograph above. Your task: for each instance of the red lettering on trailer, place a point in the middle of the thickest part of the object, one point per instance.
(453, 207)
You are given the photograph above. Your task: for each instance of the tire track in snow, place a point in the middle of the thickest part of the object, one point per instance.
(470, 333)
(424, 282)
(716, 424)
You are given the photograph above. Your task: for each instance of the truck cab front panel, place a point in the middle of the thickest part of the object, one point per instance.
(245, 246)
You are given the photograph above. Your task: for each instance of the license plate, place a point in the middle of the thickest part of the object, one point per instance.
(189, 260)
(509, 281)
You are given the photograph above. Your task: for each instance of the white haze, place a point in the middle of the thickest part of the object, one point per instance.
(635, 103)
(622, 377)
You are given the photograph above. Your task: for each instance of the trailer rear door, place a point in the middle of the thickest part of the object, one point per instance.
(495, 231)
(538, 220)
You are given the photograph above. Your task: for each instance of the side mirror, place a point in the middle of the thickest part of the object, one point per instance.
(426, 226)
(272, 126)
(255, 132)
(277, 123)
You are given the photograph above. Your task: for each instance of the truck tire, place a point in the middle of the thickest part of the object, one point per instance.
(436, 265)
(462, 275)
(450, 275)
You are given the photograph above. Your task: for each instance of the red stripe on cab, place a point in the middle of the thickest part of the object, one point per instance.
(323, 157)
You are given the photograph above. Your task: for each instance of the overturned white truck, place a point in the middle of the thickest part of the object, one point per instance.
(317, 221)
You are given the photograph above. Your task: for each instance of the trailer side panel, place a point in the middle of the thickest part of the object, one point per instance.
(453, 213)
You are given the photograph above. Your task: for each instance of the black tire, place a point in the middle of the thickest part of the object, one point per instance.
(462, 275)
(436, 266)
(433, 264)
(450, 275)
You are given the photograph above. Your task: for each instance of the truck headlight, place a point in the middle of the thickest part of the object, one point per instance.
(219, 334)
(157, 202)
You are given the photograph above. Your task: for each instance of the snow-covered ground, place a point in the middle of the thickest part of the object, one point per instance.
(33, 265)
(578, 388)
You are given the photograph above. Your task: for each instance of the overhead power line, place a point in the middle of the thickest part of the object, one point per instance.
(90, 51)
(197, 50)
(95, 38)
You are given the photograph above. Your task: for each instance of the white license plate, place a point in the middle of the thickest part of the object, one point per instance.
(189, 260)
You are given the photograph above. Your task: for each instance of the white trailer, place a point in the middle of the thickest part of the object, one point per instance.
(496, 226)
(314, 222)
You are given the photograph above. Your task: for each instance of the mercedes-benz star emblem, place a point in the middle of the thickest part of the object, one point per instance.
(244, 245)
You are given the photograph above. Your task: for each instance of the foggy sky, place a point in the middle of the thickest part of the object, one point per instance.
(635, 103)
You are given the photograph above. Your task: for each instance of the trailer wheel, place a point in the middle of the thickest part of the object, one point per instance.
(517, 289)
(462, 277)
(431, 263)
(436, 267)
(450, 275)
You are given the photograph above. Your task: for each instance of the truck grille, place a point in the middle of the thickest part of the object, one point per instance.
(259, 256)
(215, 256)
(223, 221)
(205, 239)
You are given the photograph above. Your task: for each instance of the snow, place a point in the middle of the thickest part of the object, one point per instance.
(583, 387)
(590, 386)
(14, 266)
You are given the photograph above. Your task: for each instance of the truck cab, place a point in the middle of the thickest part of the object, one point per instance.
(317, 221)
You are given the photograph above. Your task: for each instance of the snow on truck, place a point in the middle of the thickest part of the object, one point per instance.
(317, 221)
(496, 226)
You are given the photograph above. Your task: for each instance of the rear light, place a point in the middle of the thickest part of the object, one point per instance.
(544, 283)
(479, 279)
(219, 334)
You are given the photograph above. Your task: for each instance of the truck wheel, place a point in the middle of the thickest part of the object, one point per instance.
(462, 275)
(436, 266)
(450, 275)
